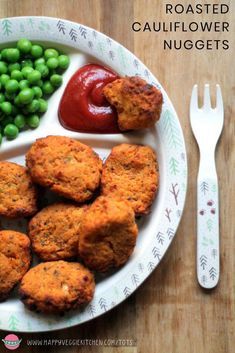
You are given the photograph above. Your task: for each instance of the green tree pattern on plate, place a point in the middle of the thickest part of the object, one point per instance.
(13, 323)
(101, 48)
(122, 57)
(29, 325)
(43, 26)
(70, 321)
(6, 27)
(22, 29)
(116, 291)
(174, 166)
(31, 22)
(171, 130)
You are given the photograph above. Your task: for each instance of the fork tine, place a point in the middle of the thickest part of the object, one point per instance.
(219, 100)
(207, 98)
(194, 99)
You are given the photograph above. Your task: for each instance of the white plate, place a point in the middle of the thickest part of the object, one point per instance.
(157, 230)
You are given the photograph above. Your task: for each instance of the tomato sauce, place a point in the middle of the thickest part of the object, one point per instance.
(83, 106)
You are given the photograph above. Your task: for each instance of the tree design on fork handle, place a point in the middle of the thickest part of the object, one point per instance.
(208, 234)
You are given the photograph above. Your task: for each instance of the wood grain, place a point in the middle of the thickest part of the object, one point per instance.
(169, 312)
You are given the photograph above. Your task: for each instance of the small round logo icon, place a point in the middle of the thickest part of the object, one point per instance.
(11, 341)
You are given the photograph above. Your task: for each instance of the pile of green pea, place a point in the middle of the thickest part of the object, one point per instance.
(28, 75)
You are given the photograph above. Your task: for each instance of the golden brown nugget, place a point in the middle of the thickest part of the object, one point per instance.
(108, 234)
(54, 231)
(15, 259)
(131, 173)
(138, 103)
(18, 194)
(68, 167)
(57, 286)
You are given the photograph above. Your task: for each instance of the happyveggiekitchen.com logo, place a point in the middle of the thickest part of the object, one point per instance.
(11, 341)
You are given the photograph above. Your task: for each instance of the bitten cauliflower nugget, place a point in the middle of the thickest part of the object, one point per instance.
(131, 173)
(138, 103)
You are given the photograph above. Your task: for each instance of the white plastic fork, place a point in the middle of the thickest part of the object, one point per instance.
(207, 124)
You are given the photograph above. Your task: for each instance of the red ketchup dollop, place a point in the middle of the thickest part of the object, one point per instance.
(83, 106)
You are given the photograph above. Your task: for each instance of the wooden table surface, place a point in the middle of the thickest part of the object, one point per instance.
(169, 312)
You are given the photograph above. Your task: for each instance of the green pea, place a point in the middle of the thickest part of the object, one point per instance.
(12, 55)
(15, 66)
(26, 62)
(52, 72)
(37, 91)
(26, 95)
(7, 120)
(39, 61)
(56, 80)
(17, 101)
(11, 131)
(20, 121)
(33, 106)
(15, 110)
(39, 83)
(33, 121)
(24, 110)
(63, 61)
(43, 105)
(47, 87)
(3, 67)
(6, 108)
(43, 69)
(26, 71)
(34, 76)
(3, 54)
(2, 98)
(36, 51)
(12, 86)
(52, 63)
(17, 75)
(24, 45)
(20, 104)
(10, 96)
(23, 84)
(51, 53)
(3, 79)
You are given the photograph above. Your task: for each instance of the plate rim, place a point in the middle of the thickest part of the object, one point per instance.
(183, 147)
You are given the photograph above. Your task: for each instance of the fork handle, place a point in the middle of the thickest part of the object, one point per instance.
(208, 263)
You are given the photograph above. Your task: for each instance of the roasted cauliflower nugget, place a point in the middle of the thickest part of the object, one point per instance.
(15, 259)
(68, 167)
(18, 195)
(138, 103)
(131, 173)
(108, 234)
(57, 286)
(54, 231)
